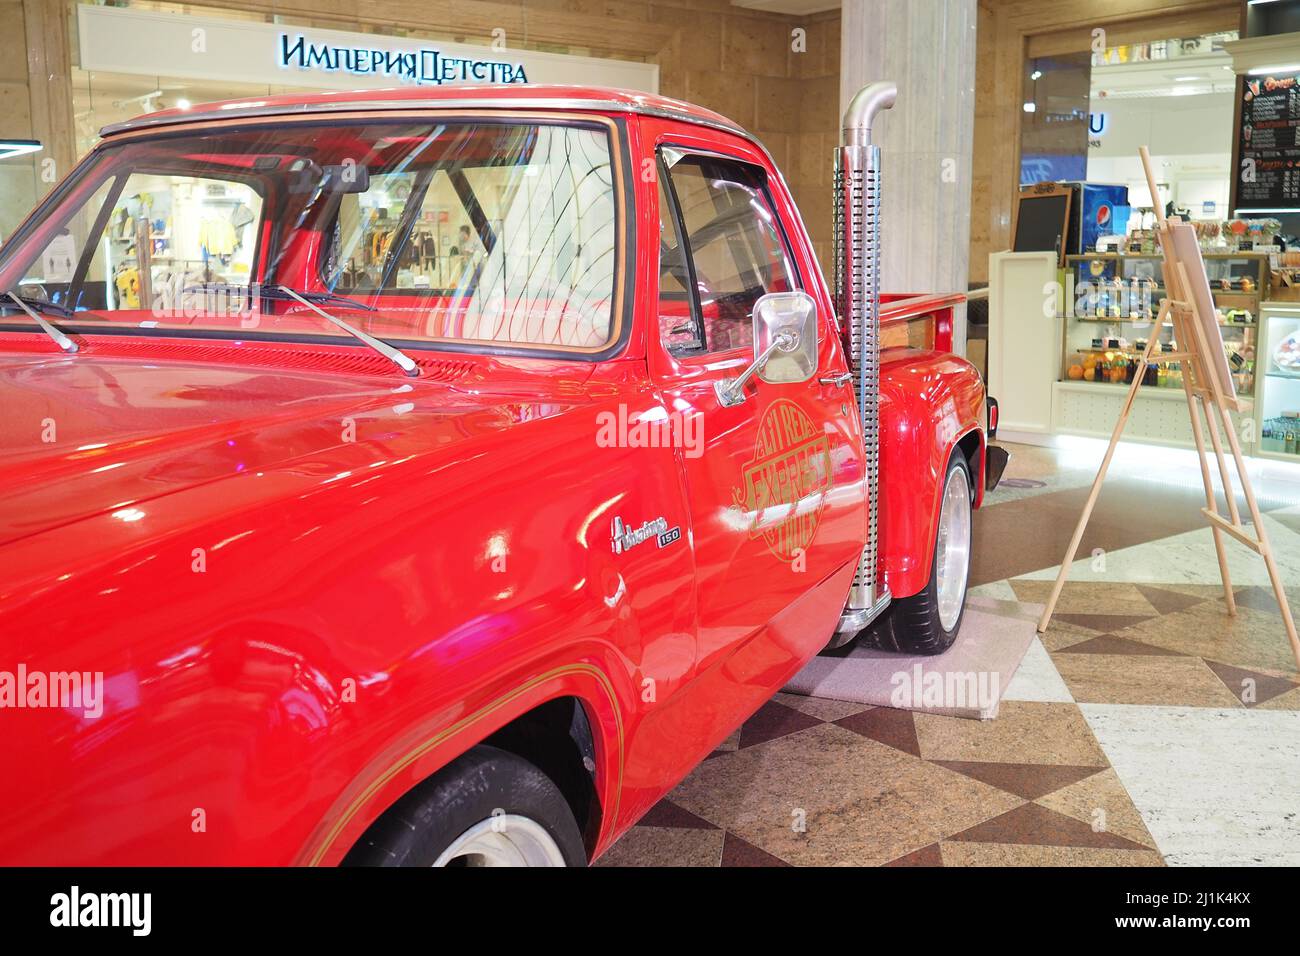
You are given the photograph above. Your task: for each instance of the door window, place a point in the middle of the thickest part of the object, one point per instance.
(736, 248)
(679, 323)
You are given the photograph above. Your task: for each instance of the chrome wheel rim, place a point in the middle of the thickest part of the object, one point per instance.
(952, 550)
(504, 839)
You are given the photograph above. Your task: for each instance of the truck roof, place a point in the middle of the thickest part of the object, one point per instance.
(470, 96)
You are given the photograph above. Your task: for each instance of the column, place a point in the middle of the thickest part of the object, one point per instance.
(927, 47)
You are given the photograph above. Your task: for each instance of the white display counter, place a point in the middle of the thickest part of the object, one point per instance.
(1025, 358)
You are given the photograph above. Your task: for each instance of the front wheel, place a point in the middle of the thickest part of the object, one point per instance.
(487, 808)
(927, 623)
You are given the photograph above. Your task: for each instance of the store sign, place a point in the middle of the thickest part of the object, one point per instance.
(417, 66)
(175, 47)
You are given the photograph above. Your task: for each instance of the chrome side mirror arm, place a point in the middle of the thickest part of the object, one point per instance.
(731, 391)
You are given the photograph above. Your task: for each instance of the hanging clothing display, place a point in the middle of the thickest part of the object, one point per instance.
(127, 282)
(217, 237)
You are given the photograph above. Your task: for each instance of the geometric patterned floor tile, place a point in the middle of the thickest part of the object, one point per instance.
(823, 708)
(1167, 601)
(1288, 701)
(772, 721)
(1027, 780)
(738, 852)
(655, 846)
(828, 796)
(1260, 598)
(926, 856)
(1024, 732)
(897, 728)
(1110, 644)
(1060, 635)
(1037, 825)
(1101, 802)
(1086, 597)
(1105, 623)
(1251, 638)
(959, 853)
(1251, 687)
(1135, 679)
(665, 813)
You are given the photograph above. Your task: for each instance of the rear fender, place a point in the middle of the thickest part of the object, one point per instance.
(931, 404)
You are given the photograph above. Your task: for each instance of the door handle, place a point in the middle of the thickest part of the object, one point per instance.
(841, 379)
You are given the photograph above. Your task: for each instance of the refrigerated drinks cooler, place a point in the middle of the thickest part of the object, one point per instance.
(1096, 210)
(1278, 364)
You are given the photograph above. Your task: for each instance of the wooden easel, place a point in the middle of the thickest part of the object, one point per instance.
(1203, 383)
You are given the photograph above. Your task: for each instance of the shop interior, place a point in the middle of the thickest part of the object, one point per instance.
(218, 245)
(1086, 116)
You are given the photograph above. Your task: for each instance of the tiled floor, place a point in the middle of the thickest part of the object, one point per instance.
(1146, 727)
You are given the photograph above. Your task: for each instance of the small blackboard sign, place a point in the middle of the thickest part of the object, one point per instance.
(1042, 219)
(1268, 143)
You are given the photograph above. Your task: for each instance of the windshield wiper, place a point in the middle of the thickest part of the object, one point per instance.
(400, 359)
(31, 305)
(314, 300)
(278, 293)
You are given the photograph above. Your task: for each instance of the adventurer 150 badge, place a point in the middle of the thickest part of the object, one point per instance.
(783, 488)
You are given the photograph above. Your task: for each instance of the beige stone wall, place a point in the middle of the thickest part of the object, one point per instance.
(17, 185)
(35, 102)
(783, 87)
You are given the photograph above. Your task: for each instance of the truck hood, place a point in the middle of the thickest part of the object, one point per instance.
(82, 435)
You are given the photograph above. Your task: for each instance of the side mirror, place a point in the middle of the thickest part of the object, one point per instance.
(795, 358)
(785, 344)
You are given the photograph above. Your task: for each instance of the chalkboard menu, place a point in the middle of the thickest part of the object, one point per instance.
(1268, 146)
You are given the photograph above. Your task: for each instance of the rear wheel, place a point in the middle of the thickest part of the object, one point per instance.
(927, 623)
(486, 808)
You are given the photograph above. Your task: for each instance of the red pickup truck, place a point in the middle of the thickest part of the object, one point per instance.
(435, 477)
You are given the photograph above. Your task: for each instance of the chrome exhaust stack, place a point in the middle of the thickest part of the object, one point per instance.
(857, 301)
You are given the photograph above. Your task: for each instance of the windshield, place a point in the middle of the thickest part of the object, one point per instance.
(419, 232)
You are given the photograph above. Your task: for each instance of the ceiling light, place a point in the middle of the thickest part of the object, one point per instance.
(182, 104)
(1036, 75)
(1031, 107)
(1187, 79)
(10, 148)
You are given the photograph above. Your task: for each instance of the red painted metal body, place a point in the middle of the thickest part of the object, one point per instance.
(296, 625)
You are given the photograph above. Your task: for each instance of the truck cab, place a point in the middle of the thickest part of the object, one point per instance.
(391, 459)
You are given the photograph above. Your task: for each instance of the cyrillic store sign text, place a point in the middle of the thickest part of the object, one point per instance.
(417, 66)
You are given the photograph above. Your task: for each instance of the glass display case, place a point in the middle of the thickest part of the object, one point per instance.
(1110, 303)
(1279, 395)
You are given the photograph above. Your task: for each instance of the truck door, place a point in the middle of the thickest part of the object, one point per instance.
(775, 484)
